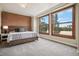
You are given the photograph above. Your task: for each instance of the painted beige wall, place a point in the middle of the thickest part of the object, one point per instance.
(72, 42)
(77, 25)
(35, 24)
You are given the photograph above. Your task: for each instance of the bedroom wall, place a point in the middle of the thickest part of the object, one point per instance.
(77, 25)
(0, 18)
(34, 24)
(72, 42)
(11, 19)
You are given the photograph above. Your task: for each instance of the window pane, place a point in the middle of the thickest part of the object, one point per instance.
(63, 22)
(43, 24)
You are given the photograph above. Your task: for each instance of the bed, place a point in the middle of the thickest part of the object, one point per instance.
(21, 37)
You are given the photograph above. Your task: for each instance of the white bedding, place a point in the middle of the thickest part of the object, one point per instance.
(20, 35)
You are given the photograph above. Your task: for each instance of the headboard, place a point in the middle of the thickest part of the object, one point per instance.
(17, 29)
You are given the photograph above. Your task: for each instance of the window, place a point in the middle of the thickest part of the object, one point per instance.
(44, 24)
(63, 23)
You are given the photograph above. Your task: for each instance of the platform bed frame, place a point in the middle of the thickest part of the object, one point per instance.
(17, 42)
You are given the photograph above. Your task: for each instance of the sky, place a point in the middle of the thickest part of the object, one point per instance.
(63, 16)
(46, 19)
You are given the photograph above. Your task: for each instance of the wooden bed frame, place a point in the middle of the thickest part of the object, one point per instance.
(17, 42)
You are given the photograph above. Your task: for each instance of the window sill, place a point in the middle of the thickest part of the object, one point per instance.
(44, 33)
(64, 36)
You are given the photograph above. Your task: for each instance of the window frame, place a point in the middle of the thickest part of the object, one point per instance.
(73, 23)
(48, 24)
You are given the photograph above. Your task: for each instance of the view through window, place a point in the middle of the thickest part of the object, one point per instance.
(43, 25)
(62, 22)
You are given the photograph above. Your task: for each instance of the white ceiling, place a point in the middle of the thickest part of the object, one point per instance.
(32, 9)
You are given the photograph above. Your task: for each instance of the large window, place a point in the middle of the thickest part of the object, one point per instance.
(44, 24)
(63, 23)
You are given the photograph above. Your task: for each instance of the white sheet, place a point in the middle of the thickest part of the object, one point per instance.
(20, 35)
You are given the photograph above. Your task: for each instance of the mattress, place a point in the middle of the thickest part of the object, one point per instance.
(20, 35)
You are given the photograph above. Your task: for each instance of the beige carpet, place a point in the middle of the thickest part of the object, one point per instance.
(40, 47)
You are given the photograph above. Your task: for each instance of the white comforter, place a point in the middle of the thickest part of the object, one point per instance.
(20, 35)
